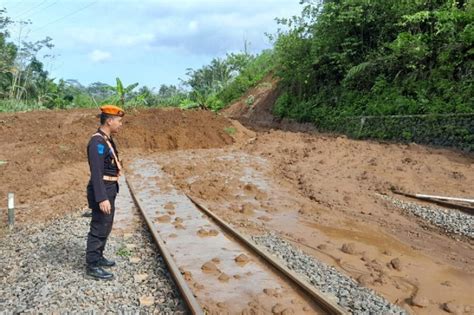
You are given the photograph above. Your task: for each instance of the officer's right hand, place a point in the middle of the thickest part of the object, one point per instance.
(105, 206)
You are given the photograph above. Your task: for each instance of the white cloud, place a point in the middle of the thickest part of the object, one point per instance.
(186, 26)
(99, 55)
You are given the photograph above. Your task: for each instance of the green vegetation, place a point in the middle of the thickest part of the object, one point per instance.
(124, 252)
(230, 130)
(121, 91)
(250, 100)
(216, 85)
(23, 81)
(25, 84)
(362, 57)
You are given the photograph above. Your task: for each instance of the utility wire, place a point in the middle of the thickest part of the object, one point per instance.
(49, 6)
(65, 16)
(30, 9)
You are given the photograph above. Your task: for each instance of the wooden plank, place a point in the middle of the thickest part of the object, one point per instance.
(320, 298)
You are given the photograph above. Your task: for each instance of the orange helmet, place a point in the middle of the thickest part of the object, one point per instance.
(112, 110)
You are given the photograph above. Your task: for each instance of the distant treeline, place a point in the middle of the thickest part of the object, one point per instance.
(339, 58)
(26, 85)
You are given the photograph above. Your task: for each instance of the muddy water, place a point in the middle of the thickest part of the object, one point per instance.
(207, 257)
(221, 178)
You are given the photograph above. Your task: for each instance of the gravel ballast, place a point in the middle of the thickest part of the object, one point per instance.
(449, 220)
(349, 294)
(42, 270)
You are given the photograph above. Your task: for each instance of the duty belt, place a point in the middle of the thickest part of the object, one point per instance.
(110, 178)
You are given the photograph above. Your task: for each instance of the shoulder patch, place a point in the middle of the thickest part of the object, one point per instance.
(100, 148)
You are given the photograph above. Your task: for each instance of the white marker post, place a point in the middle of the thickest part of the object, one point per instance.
(11, 210)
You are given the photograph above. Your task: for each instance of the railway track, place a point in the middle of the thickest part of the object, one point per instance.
(216, 268)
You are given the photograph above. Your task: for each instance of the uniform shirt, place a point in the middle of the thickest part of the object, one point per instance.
(101, 162)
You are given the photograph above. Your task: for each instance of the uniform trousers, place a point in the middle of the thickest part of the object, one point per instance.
(101, 223)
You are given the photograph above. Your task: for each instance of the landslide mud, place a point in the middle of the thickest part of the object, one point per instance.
(321, 194)
(43, 153)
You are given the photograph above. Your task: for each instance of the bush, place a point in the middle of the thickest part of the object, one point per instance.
(19, 106)
(257, 68)
(361, 58)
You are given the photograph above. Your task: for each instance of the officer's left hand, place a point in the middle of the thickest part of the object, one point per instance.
(105, 206)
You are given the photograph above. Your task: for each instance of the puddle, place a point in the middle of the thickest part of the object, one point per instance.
(375, 238)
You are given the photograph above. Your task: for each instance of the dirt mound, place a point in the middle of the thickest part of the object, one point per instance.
(255, 107)
(43, 154)
(171, 129)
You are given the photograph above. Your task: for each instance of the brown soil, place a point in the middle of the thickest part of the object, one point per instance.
(256, 105)
(325, 204)
(226, 277)
(46, 152)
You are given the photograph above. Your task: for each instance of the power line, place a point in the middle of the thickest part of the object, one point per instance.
(65, 16)
(30, 9)
(49, 6)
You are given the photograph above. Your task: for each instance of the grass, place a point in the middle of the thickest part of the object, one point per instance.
(250, 100)
(230, 130)
(123, 252)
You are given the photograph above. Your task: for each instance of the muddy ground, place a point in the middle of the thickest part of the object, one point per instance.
(44, 153)
(321, 192)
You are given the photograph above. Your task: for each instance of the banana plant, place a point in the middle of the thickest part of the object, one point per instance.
(122, 91)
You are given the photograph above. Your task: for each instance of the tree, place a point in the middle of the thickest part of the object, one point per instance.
(121, 91)
(363, 57)
(8, 53)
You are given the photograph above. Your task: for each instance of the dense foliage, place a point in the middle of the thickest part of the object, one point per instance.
(364, 57)
(224, 80)
(22, 75)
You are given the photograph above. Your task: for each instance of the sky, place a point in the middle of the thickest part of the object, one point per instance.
(151, 42)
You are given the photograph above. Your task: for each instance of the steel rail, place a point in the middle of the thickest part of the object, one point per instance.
(326, 303)
(188, 296)
(448, 202)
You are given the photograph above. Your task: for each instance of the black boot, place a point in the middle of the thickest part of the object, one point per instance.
(98, 273)
(104, 262)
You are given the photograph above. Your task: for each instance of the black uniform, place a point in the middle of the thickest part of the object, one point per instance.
(101, 163)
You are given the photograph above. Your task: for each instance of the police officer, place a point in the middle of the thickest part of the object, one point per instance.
(102, 189)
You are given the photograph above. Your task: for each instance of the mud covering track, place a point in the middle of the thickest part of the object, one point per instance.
(225, 276)
(265, 188)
